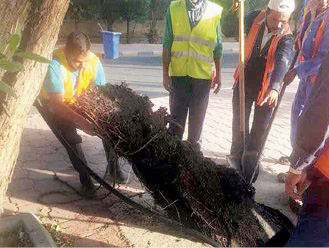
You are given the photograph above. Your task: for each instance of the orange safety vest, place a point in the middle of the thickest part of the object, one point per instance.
(299, 37)
(323, 163)
(270, 63)
(85, 77)
(317, 43)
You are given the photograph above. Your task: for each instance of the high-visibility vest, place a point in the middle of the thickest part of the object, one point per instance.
(307, 9)
(323, 163)
(317, 43)
(192, 51)
(85, 77)
(270, 63)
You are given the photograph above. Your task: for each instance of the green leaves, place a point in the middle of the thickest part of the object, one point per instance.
(7, 89)
(6, 58)
(14, 42)
(32, 56)
(11, 66)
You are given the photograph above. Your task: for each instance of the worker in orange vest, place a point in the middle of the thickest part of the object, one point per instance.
(74, 68)
(268, 52)
(308, 178)
(305, 19)
(313, 43)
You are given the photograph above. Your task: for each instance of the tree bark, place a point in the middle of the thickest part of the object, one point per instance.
(128, 30)
(40, 20)
(110, 24)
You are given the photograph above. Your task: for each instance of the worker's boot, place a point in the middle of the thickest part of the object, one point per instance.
(88, 188)
(114, 173)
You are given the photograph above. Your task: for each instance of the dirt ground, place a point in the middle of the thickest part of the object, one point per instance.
(15, 238)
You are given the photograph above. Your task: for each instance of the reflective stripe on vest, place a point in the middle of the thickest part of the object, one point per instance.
(85, 77)
(193, 55)
(270, 63)
(317, 43)
(194, 39)
(192, 51)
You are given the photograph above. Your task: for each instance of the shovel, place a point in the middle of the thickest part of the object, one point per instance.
(232, 161)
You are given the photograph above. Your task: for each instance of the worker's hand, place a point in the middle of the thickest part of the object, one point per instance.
(290, 76)
(218, 84)
(167, 83)
(293, 182)
(271, 99)
(87, 127)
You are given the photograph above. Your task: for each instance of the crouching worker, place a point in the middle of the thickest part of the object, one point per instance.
(309, 168)
(73, 70)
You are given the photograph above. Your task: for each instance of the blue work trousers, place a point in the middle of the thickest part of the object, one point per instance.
(303, 92)
(189, 96)
(312, 228)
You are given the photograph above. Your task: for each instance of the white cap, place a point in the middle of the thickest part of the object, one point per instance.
(285, 6)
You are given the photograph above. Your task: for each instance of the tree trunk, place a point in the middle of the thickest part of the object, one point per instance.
(40, 20)
(76, 25)
(128, 30)
(110, 24)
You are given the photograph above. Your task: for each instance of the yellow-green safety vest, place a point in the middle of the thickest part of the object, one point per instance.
(192, 51)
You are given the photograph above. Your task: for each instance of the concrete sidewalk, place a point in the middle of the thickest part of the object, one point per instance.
(129, 50)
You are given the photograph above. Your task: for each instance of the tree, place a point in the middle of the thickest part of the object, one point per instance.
(79, 10)
(133, 10)
(109, 11)
(250, 4)
(40, 21)
(156, 11)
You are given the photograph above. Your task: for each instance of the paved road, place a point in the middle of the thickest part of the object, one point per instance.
(144, 73)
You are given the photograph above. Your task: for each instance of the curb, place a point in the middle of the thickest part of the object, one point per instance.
(152, 53)
(31, 225)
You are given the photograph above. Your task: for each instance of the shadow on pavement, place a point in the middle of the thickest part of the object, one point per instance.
(35, 189)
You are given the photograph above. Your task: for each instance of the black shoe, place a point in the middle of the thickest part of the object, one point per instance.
(86, 181)
(88, 192)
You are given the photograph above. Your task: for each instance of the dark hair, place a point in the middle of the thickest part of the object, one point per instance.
(78, 43)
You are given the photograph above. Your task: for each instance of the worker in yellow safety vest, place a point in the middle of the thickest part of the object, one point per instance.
(74, 68)
(191, 46)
